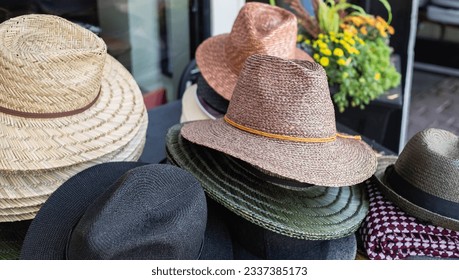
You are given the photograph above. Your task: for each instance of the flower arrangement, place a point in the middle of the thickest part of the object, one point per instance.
(352, 47)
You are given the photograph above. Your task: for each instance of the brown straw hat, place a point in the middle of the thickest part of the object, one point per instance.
(274, 203)
(258, 28)
(281, 119)
(65, 104)
(424, 180)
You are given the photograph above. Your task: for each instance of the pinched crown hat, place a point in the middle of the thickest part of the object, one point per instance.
(424, 180)
(258, 28)
(281, 119)
(64, 104)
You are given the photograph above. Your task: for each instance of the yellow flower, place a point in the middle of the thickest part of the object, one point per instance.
(324, 61)
(377, 76)
(363, 30)
(307, 41)
(299, 38)
(326, 52)
(316, 57)
(391, 30)
(338, 52)
(341, 61)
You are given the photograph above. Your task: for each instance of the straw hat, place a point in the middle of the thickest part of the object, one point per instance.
(424, 180)
(64, 104)
(281, 119)
(127, 210)
(258, 28)
(190, 108)
(281, 205)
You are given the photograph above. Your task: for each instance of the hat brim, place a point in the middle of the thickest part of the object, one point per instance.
(35, 187)
(47, 235)
(213, 99)
(108, 125)
(314, 213)
(190, 109)
(343, 162)
(211, 61)
(404, 204)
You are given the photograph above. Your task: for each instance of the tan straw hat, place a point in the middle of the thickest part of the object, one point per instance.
(191, 111)
(424, 180)
(65, 104)
(281, 119)
(258, 28)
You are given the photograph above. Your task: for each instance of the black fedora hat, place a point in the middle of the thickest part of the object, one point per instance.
(211, 98)
(127, 210)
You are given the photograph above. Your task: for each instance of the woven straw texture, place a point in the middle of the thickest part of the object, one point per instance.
(23, 193)
(429, 161)
(315, 213)
(49, 65)
(258, 28)
(286, 97)
(190, 109)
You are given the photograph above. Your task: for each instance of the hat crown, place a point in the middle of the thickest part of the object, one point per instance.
(152, 212)
(284, 97)
(430, 162)
(261, 28)
(48, 65)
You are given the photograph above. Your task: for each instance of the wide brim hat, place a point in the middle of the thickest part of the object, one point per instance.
(281, 119)
(23, 203)
(258, 28)
(48, 235)
(66, 105)
(277, 204)
(190, 108)
(210, 97)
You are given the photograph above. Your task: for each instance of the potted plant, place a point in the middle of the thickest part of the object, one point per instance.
(352, 46)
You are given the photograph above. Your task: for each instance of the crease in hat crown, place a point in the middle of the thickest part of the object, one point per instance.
(261, 28)
(284, 97)
(430, 162)
(48, 65)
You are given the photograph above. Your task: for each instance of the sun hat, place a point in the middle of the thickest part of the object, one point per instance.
(258, 28)
(266, 244)
(279, 204)
(210, 97)
(35, 187)
(389, 233)
(281, 119)
(65, 104)
(190, 109)
(127, 210)
(424, 180)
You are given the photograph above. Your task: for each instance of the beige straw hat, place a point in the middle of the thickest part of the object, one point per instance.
(190, 107)
(258, 28)
(65, 104)
(281, 119)
(424, 180)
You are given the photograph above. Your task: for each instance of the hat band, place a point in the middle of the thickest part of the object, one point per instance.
(48, 115)
(419, 197)
(288, 137)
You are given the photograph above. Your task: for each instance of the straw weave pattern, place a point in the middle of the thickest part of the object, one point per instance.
(430, 161)
(48, 65)
(286, 97)
(315, 213)
(260, 29)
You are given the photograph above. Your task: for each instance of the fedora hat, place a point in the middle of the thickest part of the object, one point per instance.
(278, 204)
(281, 119)
(258, 28)
(65, 104)
(210, 97)
(424, 180)
(127, 210)
(389, 233)
(191, 111)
